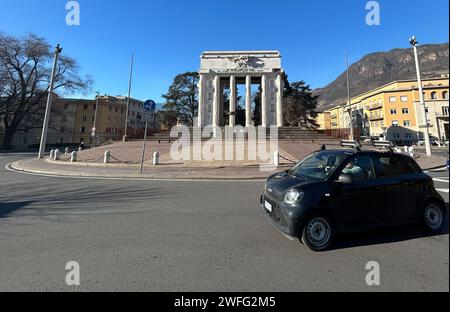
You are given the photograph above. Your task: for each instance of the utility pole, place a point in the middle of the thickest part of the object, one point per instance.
(413, 41)
(48, 108)
(94, 129)
(125, 137)
(352, 136)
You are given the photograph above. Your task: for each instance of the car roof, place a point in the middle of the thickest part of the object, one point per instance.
(349, 152)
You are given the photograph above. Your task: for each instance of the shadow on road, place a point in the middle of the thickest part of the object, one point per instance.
(7, 208)
(387, 235)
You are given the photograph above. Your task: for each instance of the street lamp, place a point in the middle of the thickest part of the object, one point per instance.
(94, 129)
(58, 50)
(349, 109)
(413, 41)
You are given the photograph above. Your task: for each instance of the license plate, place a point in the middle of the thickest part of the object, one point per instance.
(268, 206)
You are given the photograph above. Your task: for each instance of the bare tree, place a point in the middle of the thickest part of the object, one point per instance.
(25, 70)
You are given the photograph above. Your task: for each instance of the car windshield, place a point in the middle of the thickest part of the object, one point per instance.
(318, 166)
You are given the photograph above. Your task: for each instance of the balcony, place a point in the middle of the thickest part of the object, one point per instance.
(376, 117)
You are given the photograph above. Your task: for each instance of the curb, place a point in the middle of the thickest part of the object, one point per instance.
(15, 167)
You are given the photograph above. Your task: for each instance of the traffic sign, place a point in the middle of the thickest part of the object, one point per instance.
(149, 105)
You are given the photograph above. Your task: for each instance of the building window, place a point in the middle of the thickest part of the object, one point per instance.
(85, 107)
(66, 106)
(24, 141)
(61, 140)
(117, 109)
(407, 123)
(445, 110)
(392, 99)
(393, 111)
(63, 118)
(445, 95)
(434, 96)
(82, 130)
(427, 110)
(395, 123)
(396, 136)
(408, 136)
(93, 118)
(110, 108)
(84, 118)
(405, 111)
(404, 98)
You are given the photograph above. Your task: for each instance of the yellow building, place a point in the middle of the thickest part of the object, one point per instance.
(109, 120)
(391, 111)
(324, 120)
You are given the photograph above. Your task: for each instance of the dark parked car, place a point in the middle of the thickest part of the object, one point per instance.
(333, 191)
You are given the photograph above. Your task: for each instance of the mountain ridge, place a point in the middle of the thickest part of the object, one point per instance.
(380, 68)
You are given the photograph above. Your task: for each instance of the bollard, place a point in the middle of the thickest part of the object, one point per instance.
(107, 157)
(73, 157)
(57, 154)
(155, 158)
(52, 154)
(411, 151)
(67, 151)
(276, 158)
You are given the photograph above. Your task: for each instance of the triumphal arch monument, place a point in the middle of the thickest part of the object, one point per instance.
(226, 69)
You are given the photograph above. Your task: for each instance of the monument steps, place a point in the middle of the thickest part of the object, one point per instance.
(284, 134)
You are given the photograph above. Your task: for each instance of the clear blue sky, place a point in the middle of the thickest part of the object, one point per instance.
(168, 36)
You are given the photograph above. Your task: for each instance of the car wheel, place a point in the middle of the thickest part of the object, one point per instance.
(318, 233)
(434, 217)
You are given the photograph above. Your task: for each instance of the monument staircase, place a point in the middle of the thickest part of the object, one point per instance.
(284, 134)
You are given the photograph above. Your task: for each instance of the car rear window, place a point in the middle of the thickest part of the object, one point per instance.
(393, 165)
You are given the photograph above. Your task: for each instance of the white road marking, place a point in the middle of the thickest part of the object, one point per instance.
(442, 190)
(441, 180)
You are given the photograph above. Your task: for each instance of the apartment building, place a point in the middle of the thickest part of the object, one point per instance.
(393, 111)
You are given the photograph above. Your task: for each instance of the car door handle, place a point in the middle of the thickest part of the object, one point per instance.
(408, 184)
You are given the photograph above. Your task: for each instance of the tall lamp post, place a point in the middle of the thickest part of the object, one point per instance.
(125, 137)
(413, 41)
(94, 128)
(349, 109)
(48, 108)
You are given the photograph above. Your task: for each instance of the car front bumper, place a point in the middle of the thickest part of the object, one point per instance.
(282, 219)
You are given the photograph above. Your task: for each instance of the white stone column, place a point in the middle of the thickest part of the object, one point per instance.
(201, 93)
(248, 101)
(264, 101)
(215, 117)
(232, 101)
(279, 101)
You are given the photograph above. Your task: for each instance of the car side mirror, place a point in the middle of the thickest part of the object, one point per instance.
(345, 179)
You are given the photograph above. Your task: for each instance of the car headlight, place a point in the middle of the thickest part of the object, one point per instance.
(292, 197)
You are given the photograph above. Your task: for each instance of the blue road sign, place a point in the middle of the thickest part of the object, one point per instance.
(149, 105)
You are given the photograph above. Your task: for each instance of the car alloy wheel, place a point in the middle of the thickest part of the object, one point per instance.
(318, 232)
(434, 217)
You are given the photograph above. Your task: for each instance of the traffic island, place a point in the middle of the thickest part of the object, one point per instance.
(122, 161)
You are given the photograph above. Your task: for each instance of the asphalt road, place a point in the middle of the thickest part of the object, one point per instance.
(188, 236)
